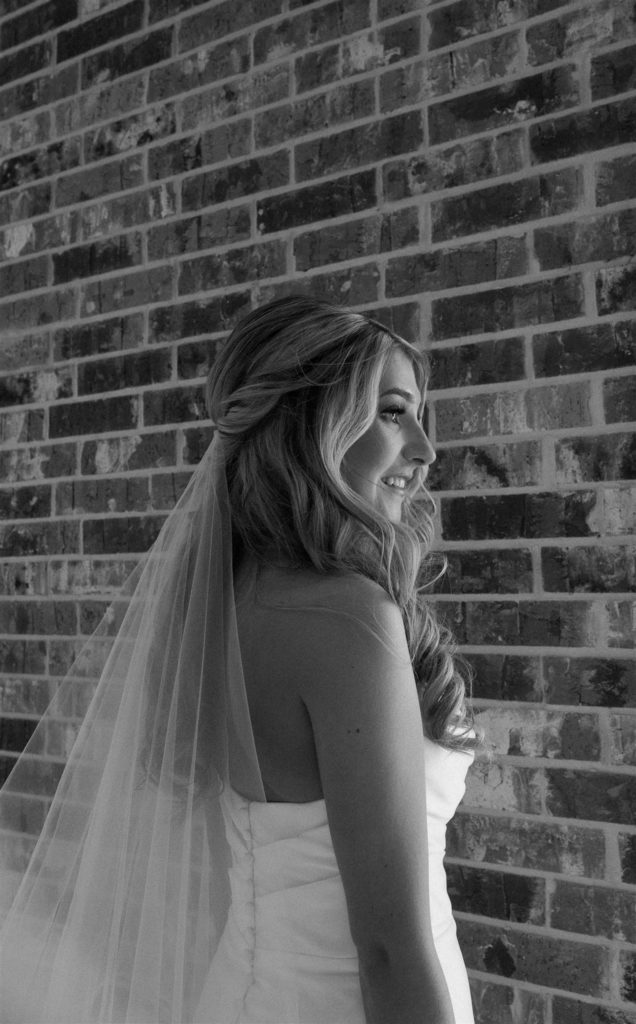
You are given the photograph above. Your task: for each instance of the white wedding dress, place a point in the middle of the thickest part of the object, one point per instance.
(286, 955)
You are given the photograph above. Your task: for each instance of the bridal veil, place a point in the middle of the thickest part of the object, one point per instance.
(117, 915)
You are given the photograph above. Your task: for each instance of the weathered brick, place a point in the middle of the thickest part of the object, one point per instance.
(619, 510)
(195, 443)
(127, 57)
(583, 459)
(627, 850)
(36, 22)
(207, 316)
(24, 96)
(36, 310)
(89, 576)
(92, 182)
(24, 275)
(195, 358)
(25, 203)
(23, 351)
(21, 464)
(22, 656)
(317, 202)
(503, 309)
(627, 968)
(35, 57)
(558, 406)
(485, 363)
(523, 99)
(566, 849)
(616, 180)
(488, 466)
(206, 231)
(44, 385)
(520, 515)
(505, 677)
(43, 538)
(311, 28)
(106, 27)
(619, 399)
(562, 137)
(93, 417)
(167, 488)
(508, 203)
(585, 349)
(30, 696)
(18, 426)
(602, 570)
(208, 109)
(293, 120)
(496, 1003)
(218, 145)
(588, 25)
(97, 258)
(493, 260)
(131, 453)
(613, 73)
(535, 958)
(28, 237)
(100, 104)
(459, 164)
(236, 266)
(176, 405)
(570, 1011)
(487, 572)
(37, 617)
(616, 289)
(121, 534)
(130, 132)
(209, 64)
(40, 163)
(32, 502)
(131, 371)
(340, 60)
(235, 181)
(221, 19)
(595, 796)
(365, 237)
(458, 21)
(405, 319)
(32, 129)
(78, 497)
(112, 293)
(533, 623)
(585, 240)
(530, 732)
(121, 212)
(496, 894)
(354, 147)
(105, 336)
(356, 286)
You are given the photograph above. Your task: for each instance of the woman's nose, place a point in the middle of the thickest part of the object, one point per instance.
(418, 447)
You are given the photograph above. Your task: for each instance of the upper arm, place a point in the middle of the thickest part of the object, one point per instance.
(354, 675)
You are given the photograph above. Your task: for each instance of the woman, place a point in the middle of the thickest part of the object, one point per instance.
(251, 824)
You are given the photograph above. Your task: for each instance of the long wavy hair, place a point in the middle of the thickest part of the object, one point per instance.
(294, 386)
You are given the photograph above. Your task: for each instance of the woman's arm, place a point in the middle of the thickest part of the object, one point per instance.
(355, 678)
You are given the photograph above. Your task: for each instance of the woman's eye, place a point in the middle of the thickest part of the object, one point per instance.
(393, 413)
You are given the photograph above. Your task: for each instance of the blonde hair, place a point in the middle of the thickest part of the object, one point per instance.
(294, 387)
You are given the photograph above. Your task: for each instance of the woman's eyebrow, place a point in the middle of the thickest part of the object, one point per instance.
(410, 397)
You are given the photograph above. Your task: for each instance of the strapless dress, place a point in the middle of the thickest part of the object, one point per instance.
(286, 955)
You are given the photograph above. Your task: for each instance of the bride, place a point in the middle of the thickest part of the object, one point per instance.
(250, 826)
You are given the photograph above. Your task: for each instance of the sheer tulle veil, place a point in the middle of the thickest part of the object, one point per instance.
(116, 915)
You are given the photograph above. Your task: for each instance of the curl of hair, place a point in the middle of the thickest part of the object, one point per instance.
(294, 387)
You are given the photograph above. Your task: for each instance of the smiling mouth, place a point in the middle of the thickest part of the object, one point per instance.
(396, 483)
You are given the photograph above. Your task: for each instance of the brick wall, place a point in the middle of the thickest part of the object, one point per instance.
(465, 169)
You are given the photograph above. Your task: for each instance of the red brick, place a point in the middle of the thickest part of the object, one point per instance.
(33, 502)
(42, 385)
(627, 849)
(354, 147)
(616, 289)
(496, 894)
(508, 203)
(100, 104)
(220, 19)
(463, 19)
(26, 350)
(112, 215)
(536, 514)
(41, 163)
(24, 96)
(24, 275)
(23, 204)
(235, 181)
(602, 570)
(310, 28)
(209, 64)
(23, 656)
(616, 180)
(218, 145)
(126, 58)
(590, 130)
(37, 617)
(523, 99)
(175, 405)
(131, 453)
(535, 958)
(79, 497)
(354, 286)
(595, 682)
(22, 427)
(595, 796)
(139, 369)
(167, 488)
(569, 1011)
(37, 21)
(43, 462)
(489, 466)
(34, 311)
(122, 534)
(438, 269)
(554, 407)
(236, 266)
(138, 289)
(585, 349)
(97, 258)
(208, 109)
(317, 202)
(586, 240)
(104, 415)
(206, 316)
(504, 309)
(505, 677)
(619, 400)
(35, 57)
(391, 8)
(591, 25)
(130, 132)
(627, 967)
(345, 103)
(106, 27)
(500, 1003)
(610, 457)
(485, 363)
(613, 73)
(487, 571)
(206, 231)
(592, 910)
(116, 176)
(456, 165)
(43, 538)
(106, 336)
(195, 443)
(195, 358)
(365, 237)
(31, 130)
